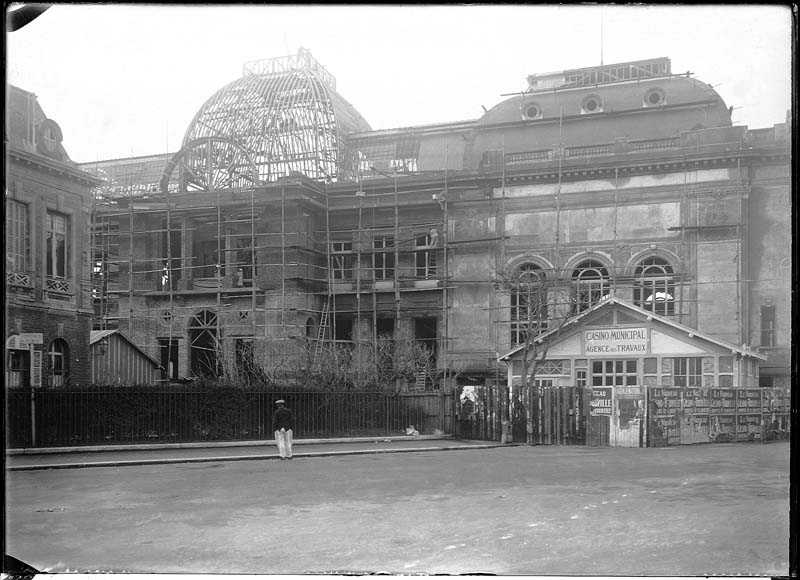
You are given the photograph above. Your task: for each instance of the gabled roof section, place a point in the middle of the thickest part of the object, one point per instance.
(33, 138)
(97, 335)
(608, 302)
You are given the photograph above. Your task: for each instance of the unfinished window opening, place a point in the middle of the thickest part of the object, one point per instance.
(210, 262)
(244, 263)
(383, 258)
(768, 326)
(425, 335)
(342, 260)
(344, 330)
(384, 327)
(654, 287)
(528, 303)
(425, 246)
(590, 285)
(168, 349)
(204, 345)
(171, 243)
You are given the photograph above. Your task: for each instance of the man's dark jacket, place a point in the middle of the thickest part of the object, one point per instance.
(283, 419)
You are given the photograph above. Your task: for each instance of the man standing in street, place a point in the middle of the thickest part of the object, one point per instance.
(283, 423)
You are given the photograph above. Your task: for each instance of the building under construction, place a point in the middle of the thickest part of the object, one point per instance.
(287, 235)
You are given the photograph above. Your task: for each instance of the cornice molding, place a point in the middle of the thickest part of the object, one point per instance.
(53, 166)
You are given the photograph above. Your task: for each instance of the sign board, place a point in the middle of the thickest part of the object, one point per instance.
(36, 369)
(616, 341)
(23, 340)
(600, 405)
(27, 338)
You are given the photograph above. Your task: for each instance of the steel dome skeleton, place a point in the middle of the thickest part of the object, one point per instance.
(282, 116)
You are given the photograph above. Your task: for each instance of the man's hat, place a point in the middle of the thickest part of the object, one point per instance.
(280, 402)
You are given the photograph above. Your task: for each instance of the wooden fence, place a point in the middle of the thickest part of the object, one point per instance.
(625, 416)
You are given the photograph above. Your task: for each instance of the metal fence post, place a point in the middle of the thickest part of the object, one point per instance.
(441, 411)
(33, 417)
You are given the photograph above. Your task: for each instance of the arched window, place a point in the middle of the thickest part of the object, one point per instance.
(204, 344)
(654, 286)
(590, 285)
(58, 356)
(528, 303)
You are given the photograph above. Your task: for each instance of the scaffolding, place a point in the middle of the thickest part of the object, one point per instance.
(286, 115)
(175, 265)
(280, 222)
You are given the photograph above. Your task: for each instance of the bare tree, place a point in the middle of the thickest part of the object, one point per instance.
(541, 303)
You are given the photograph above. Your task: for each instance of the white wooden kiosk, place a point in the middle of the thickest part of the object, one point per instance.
(630, 360)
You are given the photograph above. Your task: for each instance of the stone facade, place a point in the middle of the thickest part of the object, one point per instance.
(48, 292)
(637, 189)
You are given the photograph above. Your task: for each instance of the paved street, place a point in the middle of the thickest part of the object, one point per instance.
(692, 510)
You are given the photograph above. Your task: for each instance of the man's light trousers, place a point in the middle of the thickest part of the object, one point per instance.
(284, 440)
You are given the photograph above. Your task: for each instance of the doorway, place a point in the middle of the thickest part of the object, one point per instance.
(204, 344)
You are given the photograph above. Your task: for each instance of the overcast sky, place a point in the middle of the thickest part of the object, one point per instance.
(124, 80)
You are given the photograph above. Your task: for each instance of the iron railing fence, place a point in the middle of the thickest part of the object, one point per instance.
(52, 417)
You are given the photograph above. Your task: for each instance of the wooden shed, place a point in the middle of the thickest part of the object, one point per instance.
(117, 360)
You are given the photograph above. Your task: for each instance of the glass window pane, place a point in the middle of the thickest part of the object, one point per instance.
(597, 366)
(631, 366)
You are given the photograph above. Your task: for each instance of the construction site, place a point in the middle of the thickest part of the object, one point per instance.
(286, 235)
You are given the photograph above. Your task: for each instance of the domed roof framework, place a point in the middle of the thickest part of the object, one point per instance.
(286, 115)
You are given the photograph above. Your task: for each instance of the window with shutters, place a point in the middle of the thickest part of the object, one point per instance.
(17, 237)
(56, 245)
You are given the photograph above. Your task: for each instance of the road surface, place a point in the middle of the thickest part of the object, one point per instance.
(688, 510)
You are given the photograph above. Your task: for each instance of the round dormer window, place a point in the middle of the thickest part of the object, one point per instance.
(48, 138)
(533, 111)
(654, 98)
(592, 104)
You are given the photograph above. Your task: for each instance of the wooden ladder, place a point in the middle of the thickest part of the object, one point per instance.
(421, 378)
(323, 327)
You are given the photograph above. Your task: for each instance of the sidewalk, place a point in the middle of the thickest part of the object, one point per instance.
(128, 455)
